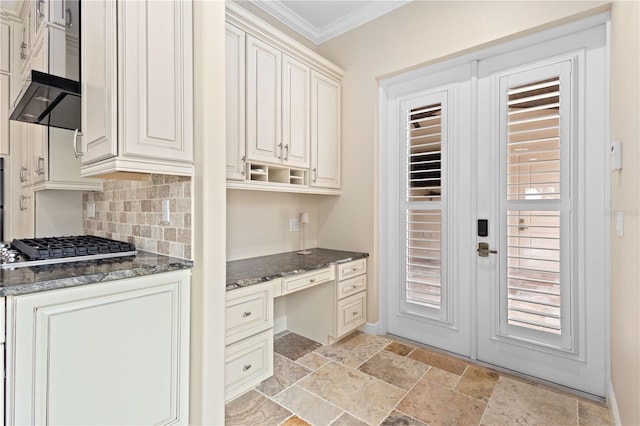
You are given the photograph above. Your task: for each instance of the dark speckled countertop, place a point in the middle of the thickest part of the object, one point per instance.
(50, 277)
(246, 272)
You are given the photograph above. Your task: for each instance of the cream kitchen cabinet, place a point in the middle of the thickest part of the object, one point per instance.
(277, 106)
(6, 67)
(235, 96)
(333, 307)
(325, 131)
(110, 353)
(137, 87)
(249, 337)
(283, 146)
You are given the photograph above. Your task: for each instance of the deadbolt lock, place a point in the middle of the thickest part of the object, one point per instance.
(484, 251)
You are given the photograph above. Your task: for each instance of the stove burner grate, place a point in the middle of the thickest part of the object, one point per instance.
(60, 247)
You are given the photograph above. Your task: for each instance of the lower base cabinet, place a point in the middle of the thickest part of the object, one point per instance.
(109, 353)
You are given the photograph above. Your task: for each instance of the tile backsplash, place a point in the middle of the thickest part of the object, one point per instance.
(131, 211)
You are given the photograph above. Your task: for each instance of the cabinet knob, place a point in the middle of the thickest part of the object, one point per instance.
(354, 286)
(354, 313)
(355, 268)
(40, 166)
(246, 367)
(312, 280)
(23, 174)
(246, 314)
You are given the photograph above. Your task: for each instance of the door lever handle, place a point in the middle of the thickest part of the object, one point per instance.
(484, 250)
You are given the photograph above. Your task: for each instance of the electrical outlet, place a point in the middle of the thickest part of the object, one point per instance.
(165, 211)
(294, 225)
(91, 209)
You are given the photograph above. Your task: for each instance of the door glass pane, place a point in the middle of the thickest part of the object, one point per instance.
(533, 144)
(424, 197)
(533, 271)
(424, 257)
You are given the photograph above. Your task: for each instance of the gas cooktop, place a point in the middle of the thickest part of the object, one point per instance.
(46, 251)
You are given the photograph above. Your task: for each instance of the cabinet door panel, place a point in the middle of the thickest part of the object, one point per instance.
(5, 43)
(5, 87)
(295, 112)
(99, 80)
(235, 92)
(264, 102)
(325, 131)
(155, 90)
(117, 354)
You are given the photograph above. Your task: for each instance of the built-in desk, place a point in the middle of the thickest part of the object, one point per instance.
(326, 299)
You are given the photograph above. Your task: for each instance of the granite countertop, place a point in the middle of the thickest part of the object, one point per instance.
(246, 272)
(49, 277)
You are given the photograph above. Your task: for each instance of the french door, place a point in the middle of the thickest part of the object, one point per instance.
(498, 234)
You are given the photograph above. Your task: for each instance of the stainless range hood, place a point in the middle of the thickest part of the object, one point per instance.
(49, 100)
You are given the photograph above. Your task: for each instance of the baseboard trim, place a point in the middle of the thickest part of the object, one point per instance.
(279, 324)
(613, 406)
(372, 328)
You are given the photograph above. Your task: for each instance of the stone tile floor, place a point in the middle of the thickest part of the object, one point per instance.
(375, 380)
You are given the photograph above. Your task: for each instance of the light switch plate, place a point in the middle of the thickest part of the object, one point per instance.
(619, 224)
(294, 225)
(91, 209)
(165, 211)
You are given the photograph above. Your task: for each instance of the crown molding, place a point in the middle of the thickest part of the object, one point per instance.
(359, 17)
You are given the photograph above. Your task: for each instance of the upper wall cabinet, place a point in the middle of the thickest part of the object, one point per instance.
(283, 111)
(137, 87)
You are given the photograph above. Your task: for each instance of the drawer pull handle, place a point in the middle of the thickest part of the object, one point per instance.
(355, 268)
(354, 286)
(354, 313)
(246, 314)
(246, 367)
(312, 280)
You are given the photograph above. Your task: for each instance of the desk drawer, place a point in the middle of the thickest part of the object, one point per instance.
(248, 311)
(352, 313)
(247, 363)
(308, 279)
(352, 269)
(351, 286)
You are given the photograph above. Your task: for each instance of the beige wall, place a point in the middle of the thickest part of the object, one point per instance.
(258, 222)
(625, 197)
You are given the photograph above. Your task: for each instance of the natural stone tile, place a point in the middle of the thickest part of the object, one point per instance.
(308, 406)
(295, 421)
(433, 404)
(254, 409)
(394, 369)
(516, 402)
(397, 418)
(399, 348)
(443, 362)
(441, 377)
(478, 382)
(313, 361)
(355, 349)
(593, 414)
(363, 396)
(294, 346)
(285, 373)
(347, 419)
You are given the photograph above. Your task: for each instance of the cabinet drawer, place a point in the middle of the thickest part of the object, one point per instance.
(248, 311)
(351, 286)
(351, 269)
(309, 279)
(351, 313)
(247, 363)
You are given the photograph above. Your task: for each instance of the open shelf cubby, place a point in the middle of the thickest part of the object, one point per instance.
(259, 172)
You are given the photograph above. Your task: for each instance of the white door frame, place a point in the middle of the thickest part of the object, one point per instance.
(388, 170)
